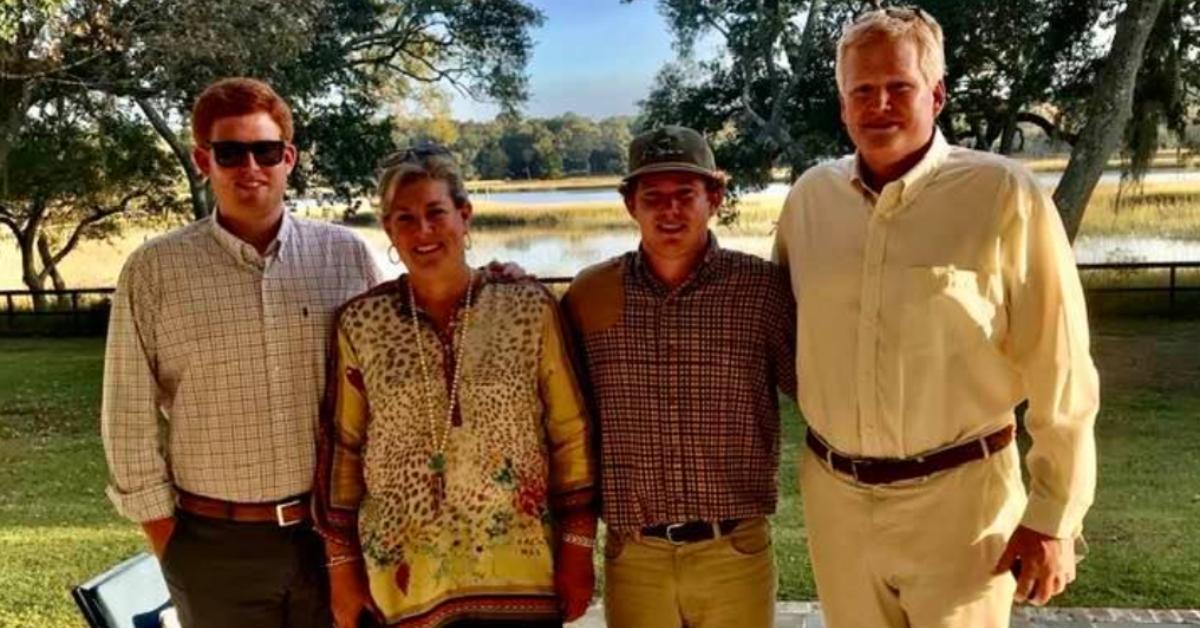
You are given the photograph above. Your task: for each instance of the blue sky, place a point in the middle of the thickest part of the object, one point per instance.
(594, 57)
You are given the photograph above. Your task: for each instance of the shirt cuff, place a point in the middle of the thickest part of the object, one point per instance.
(148, 504)
(1053, 518)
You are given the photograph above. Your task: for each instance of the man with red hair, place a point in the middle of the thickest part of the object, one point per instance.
(213, 374)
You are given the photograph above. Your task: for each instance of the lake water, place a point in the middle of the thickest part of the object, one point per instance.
(554, 255)
(587, 195)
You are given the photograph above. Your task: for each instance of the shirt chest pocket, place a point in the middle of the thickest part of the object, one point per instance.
(946, 310)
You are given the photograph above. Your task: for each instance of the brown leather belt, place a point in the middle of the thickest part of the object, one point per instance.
(288, 512)
(888, 470)
(692, 531)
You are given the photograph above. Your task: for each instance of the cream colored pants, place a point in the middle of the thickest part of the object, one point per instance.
(917, 553)
(727, 582)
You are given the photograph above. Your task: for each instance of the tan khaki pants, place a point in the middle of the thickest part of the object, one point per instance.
(728, 581)
(916, 553)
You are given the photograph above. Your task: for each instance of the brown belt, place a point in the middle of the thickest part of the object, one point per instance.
(288, 512)
(888, 470)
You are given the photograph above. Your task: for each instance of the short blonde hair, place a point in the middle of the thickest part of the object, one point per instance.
(415, 164)
(897, 24)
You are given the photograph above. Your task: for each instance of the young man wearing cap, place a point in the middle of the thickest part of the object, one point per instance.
(936, 291)
(213, 374)
(685, 346)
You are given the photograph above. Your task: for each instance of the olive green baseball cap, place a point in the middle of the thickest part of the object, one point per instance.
(670, 149)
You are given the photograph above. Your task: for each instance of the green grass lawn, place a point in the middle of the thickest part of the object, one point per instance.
(57, 528)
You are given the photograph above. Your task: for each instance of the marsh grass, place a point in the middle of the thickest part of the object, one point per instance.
(567, 183)
(1165, 159)
(1167, 210)
(755, 215)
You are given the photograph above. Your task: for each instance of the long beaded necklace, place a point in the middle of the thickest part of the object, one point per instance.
(440, 434)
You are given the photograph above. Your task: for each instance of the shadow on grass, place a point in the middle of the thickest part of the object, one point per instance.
(57, 528)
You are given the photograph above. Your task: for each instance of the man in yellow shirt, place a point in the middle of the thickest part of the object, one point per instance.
(936, 290)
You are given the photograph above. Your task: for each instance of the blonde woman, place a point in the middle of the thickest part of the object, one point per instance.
(456, 477)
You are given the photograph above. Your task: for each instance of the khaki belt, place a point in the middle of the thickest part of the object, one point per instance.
(888, 470)
(288, 512)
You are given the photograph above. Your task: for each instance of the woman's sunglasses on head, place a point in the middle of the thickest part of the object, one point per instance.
(415, 154)
(267, 153)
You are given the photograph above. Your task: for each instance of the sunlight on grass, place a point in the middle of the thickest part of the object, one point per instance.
(57, 529)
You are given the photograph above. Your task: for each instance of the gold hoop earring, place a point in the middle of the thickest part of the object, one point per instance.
(395, 262)
(467, 238)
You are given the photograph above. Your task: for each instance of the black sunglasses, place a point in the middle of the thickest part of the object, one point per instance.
(908, 13)
(267, 153)
(414, 154)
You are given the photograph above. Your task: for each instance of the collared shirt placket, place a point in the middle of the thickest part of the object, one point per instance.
(940, 352)
(669, 329)
(275, 328)
(668, 457)
(870, 313)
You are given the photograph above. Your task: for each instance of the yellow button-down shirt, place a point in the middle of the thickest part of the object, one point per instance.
(929, 310)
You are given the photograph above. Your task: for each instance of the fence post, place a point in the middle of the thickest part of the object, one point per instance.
(1172, 292)
(12, 313)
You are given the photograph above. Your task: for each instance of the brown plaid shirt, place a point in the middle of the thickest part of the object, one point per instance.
(683, 383)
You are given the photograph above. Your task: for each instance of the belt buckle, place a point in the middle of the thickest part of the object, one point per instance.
(671, 528)
(280, 519)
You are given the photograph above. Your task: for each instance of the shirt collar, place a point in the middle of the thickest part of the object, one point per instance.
(399, 292)
(916, 178)
(242, 250)
(700, 273)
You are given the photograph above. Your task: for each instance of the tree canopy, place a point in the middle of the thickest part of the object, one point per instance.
(74, 169)
(337, 62)
(769, 98)
(511, 147)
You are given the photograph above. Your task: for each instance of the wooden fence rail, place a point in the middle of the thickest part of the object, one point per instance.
(75, 302)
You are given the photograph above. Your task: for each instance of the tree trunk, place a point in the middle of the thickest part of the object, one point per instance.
(16, 89)
(992, 132)
(202, 201)
(946, 122)
(29, 275)
(1008, 132)
(14, 104)
(1052, 131)
(1108, 112)
(49, 267)
(979, 134)
(27, 243)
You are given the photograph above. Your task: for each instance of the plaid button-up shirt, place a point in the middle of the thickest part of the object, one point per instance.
(216, 361)
(684, 385)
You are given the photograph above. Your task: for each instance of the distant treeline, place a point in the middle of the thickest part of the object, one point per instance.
(530, 148)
